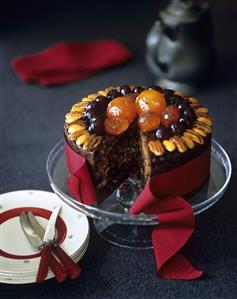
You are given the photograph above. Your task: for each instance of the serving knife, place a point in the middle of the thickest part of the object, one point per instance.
(72, 268)
(37, 242)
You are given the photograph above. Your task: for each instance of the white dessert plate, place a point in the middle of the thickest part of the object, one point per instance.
(19, 261)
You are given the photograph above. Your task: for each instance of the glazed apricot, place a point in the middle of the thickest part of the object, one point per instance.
(150, 101)
(115, 125)
(148, 121)
(122, 107)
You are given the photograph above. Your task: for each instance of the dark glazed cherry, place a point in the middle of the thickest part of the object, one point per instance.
(189, 114)
(155, 87)
(101, 99)
(125, 89)
(91, 109)
(97, 107)
(168, 93)
(163, 133)
(113, 93)
(175, 100)
(96, 124)
(138, 89)
(183, 123)
(176, 129)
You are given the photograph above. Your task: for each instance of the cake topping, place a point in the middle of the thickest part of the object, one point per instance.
(138, 89)
(169, 120)
(122, 107)
(169, 145)
(188, 141)
(148, 121)
(73, 116)
(125, 89)
(180, 145)
(92, 142)
(113, 93)
(194, 136)
(116, 126)
(163, 132)
(150, 101)
(76, 127)
(170, 114)
(83, 138)
(156, 147)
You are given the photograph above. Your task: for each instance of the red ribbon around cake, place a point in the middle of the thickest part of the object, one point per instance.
(68, 61)
(161, 196)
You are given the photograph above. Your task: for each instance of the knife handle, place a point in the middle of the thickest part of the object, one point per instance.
(44, 263)
(72, 268)
(58, 270)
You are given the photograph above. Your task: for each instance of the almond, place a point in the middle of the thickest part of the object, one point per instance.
(203, 127)
(92, 142)
(86, 100)
(156, 147)
(169, 145)
(76, 127)
(80, 104)
(102, 93)
(83, 138)
(205, 119)
(202, 110)
(199, 131)
(73, 116)
(193, 100)
(78, 110)
(188, 141)
(92, 96)
(75, 135)
(179, 144)
(194, 136)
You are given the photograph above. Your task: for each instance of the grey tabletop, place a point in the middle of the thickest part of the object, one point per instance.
(32, 122)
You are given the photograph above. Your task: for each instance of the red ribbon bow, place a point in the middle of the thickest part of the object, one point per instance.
(176, 226)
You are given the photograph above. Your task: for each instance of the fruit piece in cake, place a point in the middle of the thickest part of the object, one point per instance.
(150, 101)
(122, 107)
(116, 126)
(169, 115)
(148, 121)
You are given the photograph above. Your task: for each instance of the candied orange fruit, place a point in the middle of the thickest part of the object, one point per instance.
(170, 114)
(122, 107)
(148, 121)
(115, 125)
(150, 101)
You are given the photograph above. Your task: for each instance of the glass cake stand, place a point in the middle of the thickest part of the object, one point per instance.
(112, 219)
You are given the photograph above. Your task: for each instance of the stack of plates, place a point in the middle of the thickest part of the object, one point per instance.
(19, 261)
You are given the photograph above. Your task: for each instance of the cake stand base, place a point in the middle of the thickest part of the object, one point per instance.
(129, 236)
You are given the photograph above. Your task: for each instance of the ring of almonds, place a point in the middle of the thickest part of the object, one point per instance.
(78, 133)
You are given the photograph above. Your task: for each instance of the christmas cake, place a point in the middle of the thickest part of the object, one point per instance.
(138, 132)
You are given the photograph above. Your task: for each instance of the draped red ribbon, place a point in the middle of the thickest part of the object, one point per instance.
(160, 196)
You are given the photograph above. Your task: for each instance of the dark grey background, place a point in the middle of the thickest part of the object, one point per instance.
(32, 122)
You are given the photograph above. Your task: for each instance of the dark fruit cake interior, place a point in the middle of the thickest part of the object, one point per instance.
(133, 131)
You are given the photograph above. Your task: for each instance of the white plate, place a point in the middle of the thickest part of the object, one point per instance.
(11, 279)
(17, 256)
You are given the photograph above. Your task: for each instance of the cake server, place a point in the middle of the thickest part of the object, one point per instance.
(72, 268)
(37, 242)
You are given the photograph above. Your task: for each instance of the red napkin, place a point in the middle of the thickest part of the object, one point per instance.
(169, 236)
(69, 61)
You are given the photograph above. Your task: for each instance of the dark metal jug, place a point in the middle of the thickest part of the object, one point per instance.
(179, 46)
